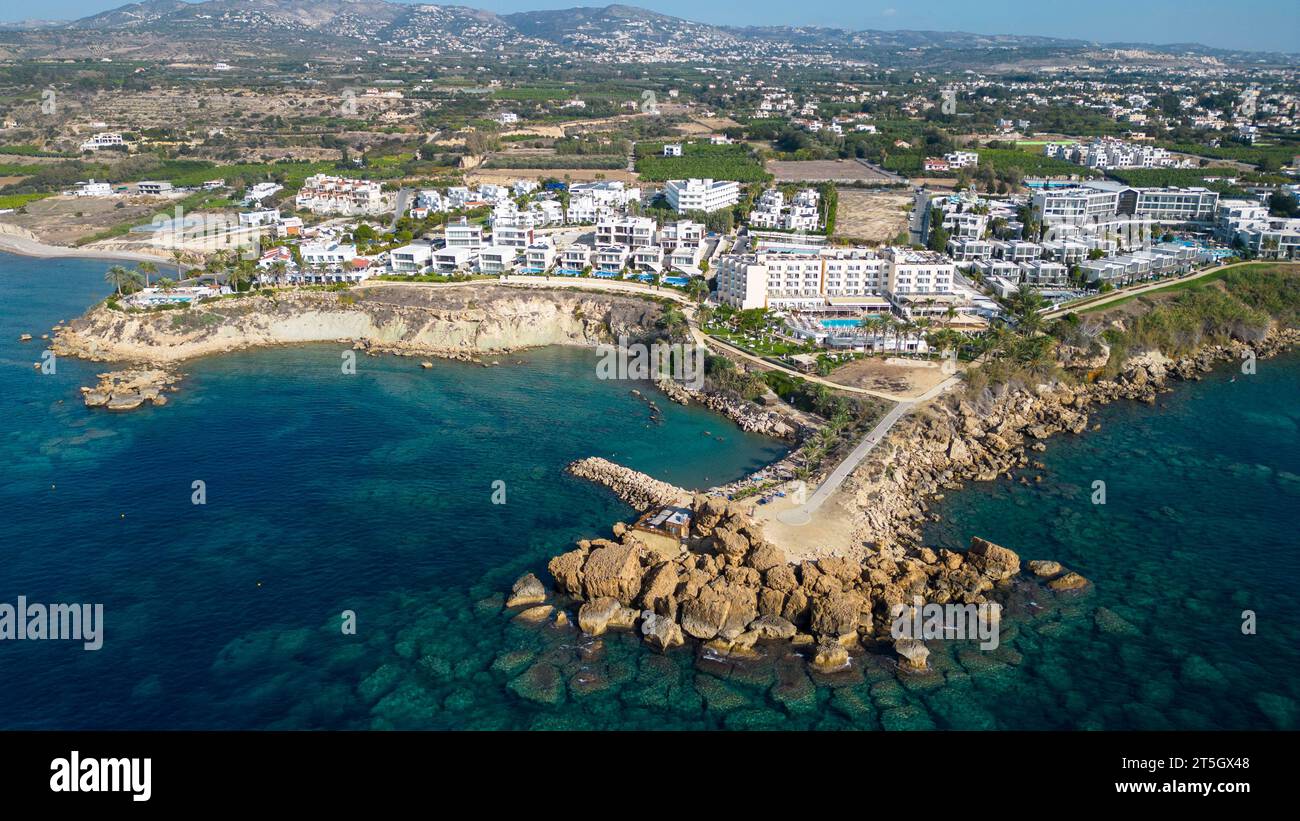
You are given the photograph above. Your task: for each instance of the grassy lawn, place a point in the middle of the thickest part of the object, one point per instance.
(764, 346)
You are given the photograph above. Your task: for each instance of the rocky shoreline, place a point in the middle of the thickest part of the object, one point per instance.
(979, 439)
(405, 319)
(748, 416)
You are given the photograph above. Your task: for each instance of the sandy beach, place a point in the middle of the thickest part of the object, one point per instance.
(28, 247)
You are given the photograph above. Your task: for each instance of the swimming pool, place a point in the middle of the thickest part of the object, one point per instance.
(841, 323)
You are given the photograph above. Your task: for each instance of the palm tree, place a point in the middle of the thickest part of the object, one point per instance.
(166, 283)
(178, 257)
(235, 277)
(1024, 305)
(146, 268)
(122, 278)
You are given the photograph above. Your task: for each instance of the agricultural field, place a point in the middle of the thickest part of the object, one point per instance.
(719, 162)
(1032, 162)
(824, 171)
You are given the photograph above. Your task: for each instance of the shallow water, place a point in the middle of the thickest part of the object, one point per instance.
(373, 493)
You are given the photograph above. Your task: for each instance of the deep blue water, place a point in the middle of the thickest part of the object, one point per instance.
(373, 493)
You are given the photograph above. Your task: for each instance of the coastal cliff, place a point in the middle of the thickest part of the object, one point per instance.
(449, 322)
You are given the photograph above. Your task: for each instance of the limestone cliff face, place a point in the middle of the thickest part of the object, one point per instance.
(446, 321)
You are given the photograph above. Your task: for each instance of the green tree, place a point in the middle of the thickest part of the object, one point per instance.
(123, 279)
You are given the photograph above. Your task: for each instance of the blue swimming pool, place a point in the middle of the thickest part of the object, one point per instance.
(678, 281)
(841, 323)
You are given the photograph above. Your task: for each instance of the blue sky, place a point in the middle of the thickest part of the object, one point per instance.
(1247, 24)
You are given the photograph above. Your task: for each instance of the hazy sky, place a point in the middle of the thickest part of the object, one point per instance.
(1248, 24)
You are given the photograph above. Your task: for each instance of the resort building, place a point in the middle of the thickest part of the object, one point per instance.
(576, 257)
(105, 139)
(453, 260)
(326, 253)
(462, 233)
(153, 188)
(681, 233)
(633, 232)
(411, 259)
(701, 194)
(497, 259)
(90, 188)
(913, 272)
(648, 258)
(611, 259)
(539, 257)
(265, 216)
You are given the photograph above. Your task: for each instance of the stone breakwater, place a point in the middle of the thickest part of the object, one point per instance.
(748, 416)
(453, 322)
(730, 588)
(639, 490)
(981, 438)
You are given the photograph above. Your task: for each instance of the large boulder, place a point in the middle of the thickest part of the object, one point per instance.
(772, 627)
(912, 654)
(742, 608)
(613, 570)
(566, 569)
(994, 561)
(660, 632)
(659, 589)
(704, 615)
(836, 615)
(1070, 581)
(598, 615)
(729, 541)
(528, 589)
(765, 556)
(706, 512)
(1045, 569)
(830, 657)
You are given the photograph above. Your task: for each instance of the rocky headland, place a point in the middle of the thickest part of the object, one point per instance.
(453, 322)
(730, 588)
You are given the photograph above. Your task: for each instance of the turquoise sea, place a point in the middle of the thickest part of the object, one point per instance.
(373, 493)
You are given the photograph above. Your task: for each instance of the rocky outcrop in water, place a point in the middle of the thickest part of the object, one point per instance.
(731, 588)
(129, 389)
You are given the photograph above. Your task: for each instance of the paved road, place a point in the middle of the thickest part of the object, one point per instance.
(402, 196)
(919, 221)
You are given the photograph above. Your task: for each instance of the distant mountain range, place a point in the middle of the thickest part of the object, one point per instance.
(172, 29)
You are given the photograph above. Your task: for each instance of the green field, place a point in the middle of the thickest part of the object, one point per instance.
(18, 200)
(1032, 163)
(703, 160)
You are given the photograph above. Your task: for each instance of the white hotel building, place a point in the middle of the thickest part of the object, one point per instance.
(701, 195)
(831, 278)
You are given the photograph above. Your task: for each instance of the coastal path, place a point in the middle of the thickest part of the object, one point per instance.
(803, 514)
